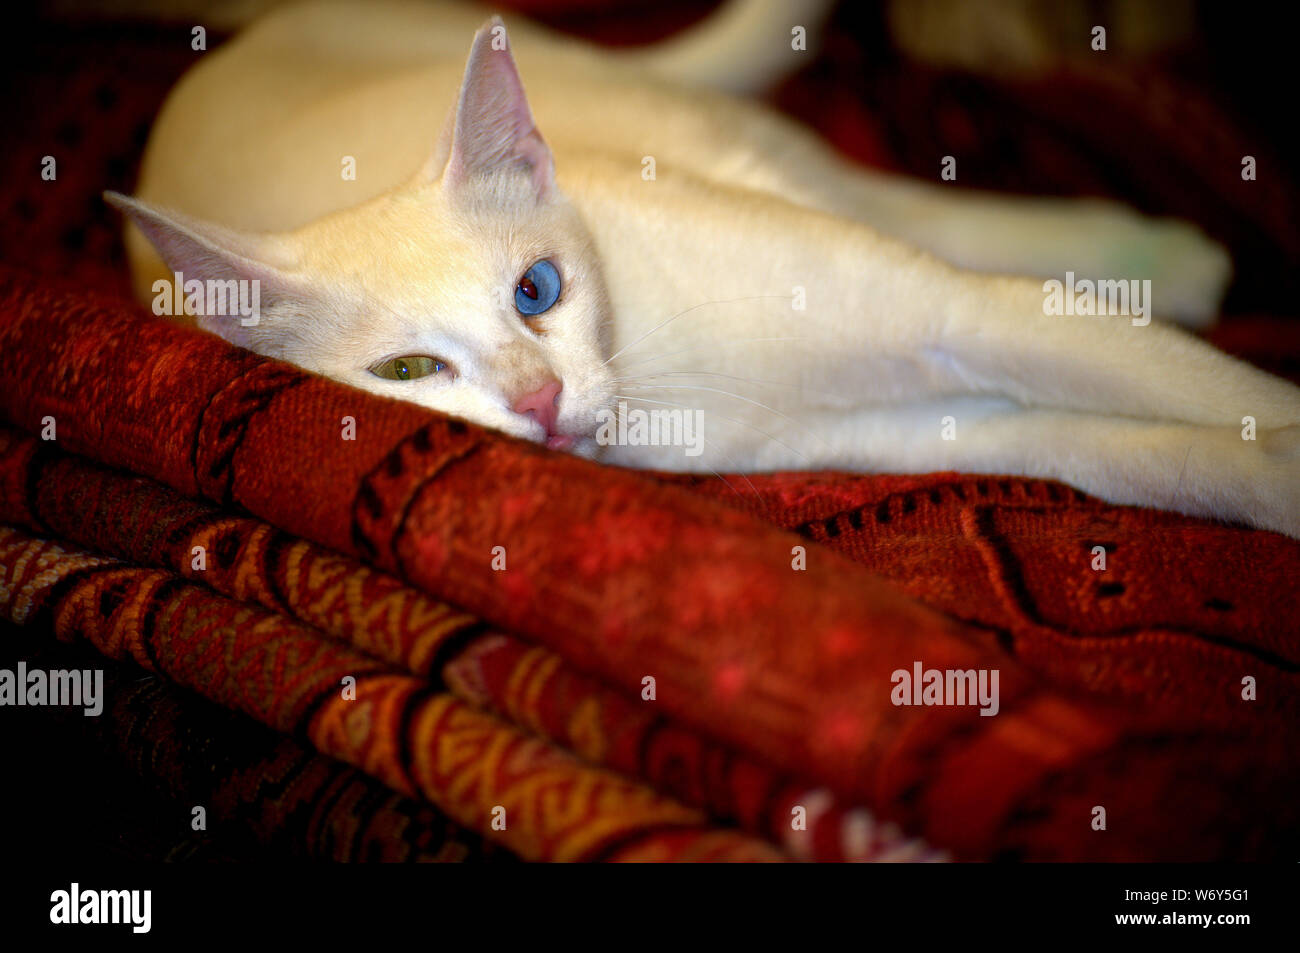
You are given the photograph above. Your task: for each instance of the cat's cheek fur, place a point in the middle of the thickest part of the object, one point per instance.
(481, 406)
(467, 403)
(587, 448)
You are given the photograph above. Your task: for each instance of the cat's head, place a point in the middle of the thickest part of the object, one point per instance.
(474, 289)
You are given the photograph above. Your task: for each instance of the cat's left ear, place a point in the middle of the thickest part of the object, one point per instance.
(493, 129)
(207, 252)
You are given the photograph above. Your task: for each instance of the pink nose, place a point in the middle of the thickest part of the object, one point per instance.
(542, 405)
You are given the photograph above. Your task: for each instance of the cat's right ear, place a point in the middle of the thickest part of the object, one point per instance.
(492, 128)
(206, 252)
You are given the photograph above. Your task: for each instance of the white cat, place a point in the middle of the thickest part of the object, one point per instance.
(647, 245)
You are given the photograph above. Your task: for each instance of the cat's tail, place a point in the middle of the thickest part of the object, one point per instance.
(744, 47)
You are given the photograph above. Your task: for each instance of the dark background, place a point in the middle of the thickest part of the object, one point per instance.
(1161, 123)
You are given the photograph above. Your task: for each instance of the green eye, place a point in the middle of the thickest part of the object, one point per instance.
(409, 367)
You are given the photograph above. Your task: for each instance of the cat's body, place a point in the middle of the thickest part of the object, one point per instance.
(741, 279)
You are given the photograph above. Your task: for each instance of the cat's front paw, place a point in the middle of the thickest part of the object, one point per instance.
(1189, 272)
(1278, 481)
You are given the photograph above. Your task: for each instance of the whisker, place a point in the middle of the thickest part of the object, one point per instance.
(669, 403)
(725, 480)
(697, 347)
(679, 314)
(731, 377)
(738, 470)
(727, 393)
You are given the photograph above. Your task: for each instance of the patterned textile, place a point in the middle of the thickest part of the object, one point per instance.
(67, 497)
(635, 577)
(264, 794)
(523, 689)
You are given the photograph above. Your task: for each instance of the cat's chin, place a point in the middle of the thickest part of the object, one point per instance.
(579, 445)
(585, 447)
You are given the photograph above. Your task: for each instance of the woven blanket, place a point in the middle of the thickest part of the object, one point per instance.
(434, 642)
(651, 673)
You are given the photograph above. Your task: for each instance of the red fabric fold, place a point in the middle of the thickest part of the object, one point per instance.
(626, 577)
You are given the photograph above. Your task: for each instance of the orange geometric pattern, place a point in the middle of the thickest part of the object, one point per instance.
(415, 740)
(375, 614)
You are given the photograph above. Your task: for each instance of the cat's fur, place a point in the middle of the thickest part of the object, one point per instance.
(682, 290)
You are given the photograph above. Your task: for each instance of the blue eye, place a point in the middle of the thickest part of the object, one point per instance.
(538, 289)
